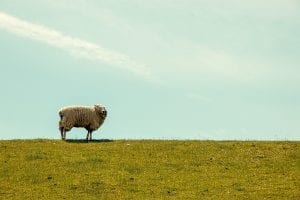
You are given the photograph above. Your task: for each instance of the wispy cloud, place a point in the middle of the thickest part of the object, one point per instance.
(74, 46)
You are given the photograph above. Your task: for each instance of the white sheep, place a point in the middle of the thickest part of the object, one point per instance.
(88, 117)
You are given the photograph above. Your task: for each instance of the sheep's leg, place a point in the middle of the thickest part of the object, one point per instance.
(64, 135)
(87, 135)
(61, 133)
(91, 136)
(61, 128)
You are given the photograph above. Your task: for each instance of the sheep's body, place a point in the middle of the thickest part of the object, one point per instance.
(88, 117)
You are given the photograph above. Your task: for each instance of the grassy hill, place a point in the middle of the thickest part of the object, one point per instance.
(53, 169)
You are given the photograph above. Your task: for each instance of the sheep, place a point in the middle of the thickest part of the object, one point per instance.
(88, 117)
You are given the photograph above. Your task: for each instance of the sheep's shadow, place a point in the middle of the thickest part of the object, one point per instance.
(88, 141)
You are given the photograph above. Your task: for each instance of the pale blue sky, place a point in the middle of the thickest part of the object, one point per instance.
(165, 69)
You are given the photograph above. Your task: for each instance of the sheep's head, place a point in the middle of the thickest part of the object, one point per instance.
(101, 111)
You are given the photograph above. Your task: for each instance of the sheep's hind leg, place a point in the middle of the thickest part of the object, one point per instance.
(87, 136)
(91, 136)
(64, 134)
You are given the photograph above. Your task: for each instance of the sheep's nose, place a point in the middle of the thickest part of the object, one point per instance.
(104, 112)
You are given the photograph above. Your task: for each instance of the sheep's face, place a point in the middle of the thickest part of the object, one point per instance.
(101, 111)
(104, 112)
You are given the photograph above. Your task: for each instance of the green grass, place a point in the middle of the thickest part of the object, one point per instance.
(53, 169)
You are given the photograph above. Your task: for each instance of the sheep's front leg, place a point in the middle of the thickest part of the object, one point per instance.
(63, 133)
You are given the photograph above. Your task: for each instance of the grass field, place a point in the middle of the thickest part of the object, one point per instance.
(53, 169)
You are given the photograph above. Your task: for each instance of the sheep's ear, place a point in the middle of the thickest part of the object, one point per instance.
(98, 108)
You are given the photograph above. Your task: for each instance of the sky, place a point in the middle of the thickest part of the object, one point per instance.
(164, 69)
